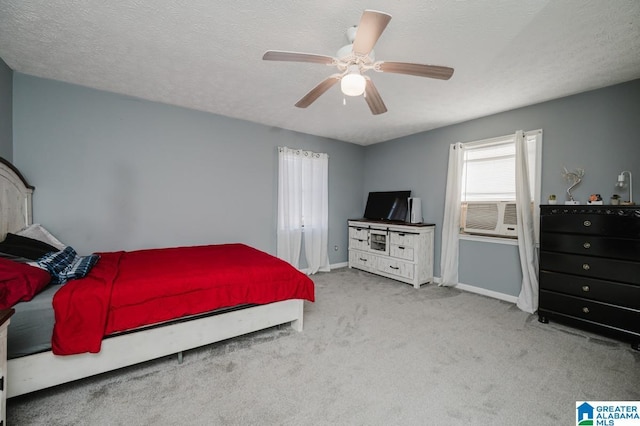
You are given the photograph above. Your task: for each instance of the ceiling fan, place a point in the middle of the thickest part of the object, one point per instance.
(356, 58)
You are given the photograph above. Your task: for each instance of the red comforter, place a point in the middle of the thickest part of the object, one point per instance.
(126, 290)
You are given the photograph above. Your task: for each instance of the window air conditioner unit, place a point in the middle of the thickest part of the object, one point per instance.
(491, 218)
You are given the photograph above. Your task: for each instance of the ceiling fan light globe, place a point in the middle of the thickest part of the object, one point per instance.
(353, 84)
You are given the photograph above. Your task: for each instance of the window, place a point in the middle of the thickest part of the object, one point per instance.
(489, 181)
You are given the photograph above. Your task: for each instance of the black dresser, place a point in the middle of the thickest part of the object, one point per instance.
(590, 269)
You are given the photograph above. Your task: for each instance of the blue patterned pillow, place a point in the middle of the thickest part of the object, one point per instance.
(66, 265)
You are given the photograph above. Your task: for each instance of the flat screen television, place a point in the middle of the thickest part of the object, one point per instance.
(387, 205)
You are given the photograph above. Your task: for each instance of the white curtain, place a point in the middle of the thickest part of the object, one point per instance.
(289, 234)
(303, 208)
(528, 298)
(451, 222)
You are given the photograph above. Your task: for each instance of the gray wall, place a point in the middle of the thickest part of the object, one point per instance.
(112, 172)
(6, 115)
(596, 130)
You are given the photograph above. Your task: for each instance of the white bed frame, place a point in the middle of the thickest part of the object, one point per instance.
(34, 372)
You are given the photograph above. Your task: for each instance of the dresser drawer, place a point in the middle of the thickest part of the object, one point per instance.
(592, 267)
(403, 239)
(591, 245)
(401, 252)
(612, 225)
(589, 288)
(396, 267)
(358, 244)
(362, 260)
(358, 233)
(603, 313)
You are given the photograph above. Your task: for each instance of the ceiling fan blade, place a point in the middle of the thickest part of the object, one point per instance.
(420, 70)
(280, 55)
(372, 24)
(376, 105)
(315, 93)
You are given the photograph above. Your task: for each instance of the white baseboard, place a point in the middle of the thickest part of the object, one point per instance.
(464, 287)
(332, 267)
(483, 291)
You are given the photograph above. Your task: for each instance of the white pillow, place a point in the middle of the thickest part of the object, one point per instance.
(37, 232)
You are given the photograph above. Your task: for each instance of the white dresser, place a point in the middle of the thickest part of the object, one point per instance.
(403, 252)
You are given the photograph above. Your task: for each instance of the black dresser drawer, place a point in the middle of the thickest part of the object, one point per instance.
(591, 245)
(619, 223)
(592, 267)
(604, 313)
(599, 290)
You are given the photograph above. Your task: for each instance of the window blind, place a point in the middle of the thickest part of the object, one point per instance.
(489, 171)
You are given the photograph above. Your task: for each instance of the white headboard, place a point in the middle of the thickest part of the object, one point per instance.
(15, 199)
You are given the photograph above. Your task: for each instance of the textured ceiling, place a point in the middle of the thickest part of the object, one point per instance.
(206, 55)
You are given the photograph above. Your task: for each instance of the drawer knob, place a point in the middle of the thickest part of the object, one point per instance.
(587, 245)
(585, 310)
(585, 288)
(587, 223)
(586, 266)
(394, 267)
(364, 260)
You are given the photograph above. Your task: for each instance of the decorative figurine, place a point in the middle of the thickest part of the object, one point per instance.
(595, 199)
(574, 178)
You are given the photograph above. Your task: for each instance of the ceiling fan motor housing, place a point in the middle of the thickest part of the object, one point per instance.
(351, 33)
(345, 54)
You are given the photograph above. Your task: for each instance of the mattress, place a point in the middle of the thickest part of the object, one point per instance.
(31, 326)
(32, 323)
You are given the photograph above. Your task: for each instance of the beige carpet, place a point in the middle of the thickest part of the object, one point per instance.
(373, 352)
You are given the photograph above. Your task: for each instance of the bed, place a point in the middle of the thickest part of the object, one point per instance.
(126, 333)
